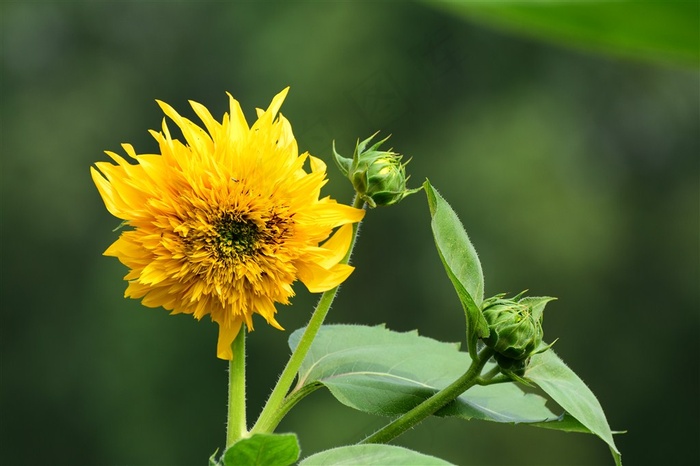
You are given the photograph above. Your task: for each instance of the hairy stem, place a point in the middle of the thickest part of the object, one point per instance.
(236, 419)
(502, 378)
(432, 404)
(290, 401)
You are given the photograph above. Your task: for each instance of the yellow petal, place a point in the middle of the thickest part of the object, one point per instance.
(334, 214)
(266, 308)
(211, 124)
(318, 279)
(266, 117)
(277, 101)
(337, 246)
(227, 333)
(287, 137)
(195, 136)
(317, 165)
(106, 192)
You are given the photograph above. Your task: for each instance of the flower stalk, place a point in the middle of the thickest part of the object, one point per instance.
(236, 427)
(274, 410)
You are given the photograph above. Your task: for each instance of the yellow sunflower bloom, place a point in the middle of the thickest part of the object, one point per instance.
(225, 222)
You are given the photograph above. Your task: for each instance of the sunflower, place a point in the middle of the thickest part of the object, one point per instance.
(225, 222)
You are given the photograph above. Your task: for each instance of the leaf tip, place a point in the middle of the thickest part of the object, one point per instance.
(432, 196)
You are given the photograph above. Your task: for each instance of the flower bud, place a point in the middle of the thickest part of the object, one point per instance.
(379, 177)
(514, 332)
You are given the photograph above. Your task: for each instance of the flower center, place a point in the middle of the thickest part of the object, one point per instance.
(235, 237)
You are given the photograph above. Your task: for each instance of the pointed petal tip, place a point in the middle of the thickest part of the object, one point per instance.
(277, 101)
(281, 94)
(163, 105)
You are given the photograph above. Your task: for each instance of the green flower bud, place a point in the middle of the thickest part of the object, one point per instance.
(514, 332)
(379, 177)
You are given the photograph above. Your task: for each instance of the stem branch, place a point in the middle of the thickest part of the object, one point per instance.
(432, 404)
(502, 378)
(290, 401)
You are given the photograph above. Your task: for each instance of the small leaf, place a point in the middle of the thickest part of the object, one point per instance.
(461, 264)
(377, 371)
(550, 373)
(263, 450)
(372, 455)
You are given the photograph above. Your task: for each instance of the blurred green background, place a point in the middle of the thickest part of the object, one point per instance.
(574, 170)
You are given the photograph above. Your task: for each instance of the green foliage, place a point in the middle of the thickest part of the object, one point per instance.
(263, 450)
(461, 264)
(372, 455)
(550, 373)
(651, 30)
(378, 371)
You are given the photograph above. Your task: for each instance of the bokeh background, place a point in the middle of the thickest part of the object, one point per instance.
(572, 163)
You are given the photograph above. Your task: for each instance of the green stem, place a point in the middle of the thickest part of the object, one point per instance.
(432, 404)
(290, 401)
(236, 419)
(503, 378)
(273, 412)
(490, 374)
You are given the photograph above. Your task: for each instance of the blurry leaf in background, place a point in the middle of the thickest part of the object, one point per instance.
(651, 30)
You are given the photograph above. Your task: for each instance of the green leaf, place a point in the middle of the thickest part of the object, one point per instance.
(378, 371)
(263, 450)
(461, 264)
(372, 455)
(649, 30)
(550, 373)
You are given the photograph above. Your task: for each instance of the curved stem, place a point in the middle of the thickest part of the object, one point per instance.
(266, 421)
(270, 415)
(236, 419)
(290, 401)
(432, 404)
